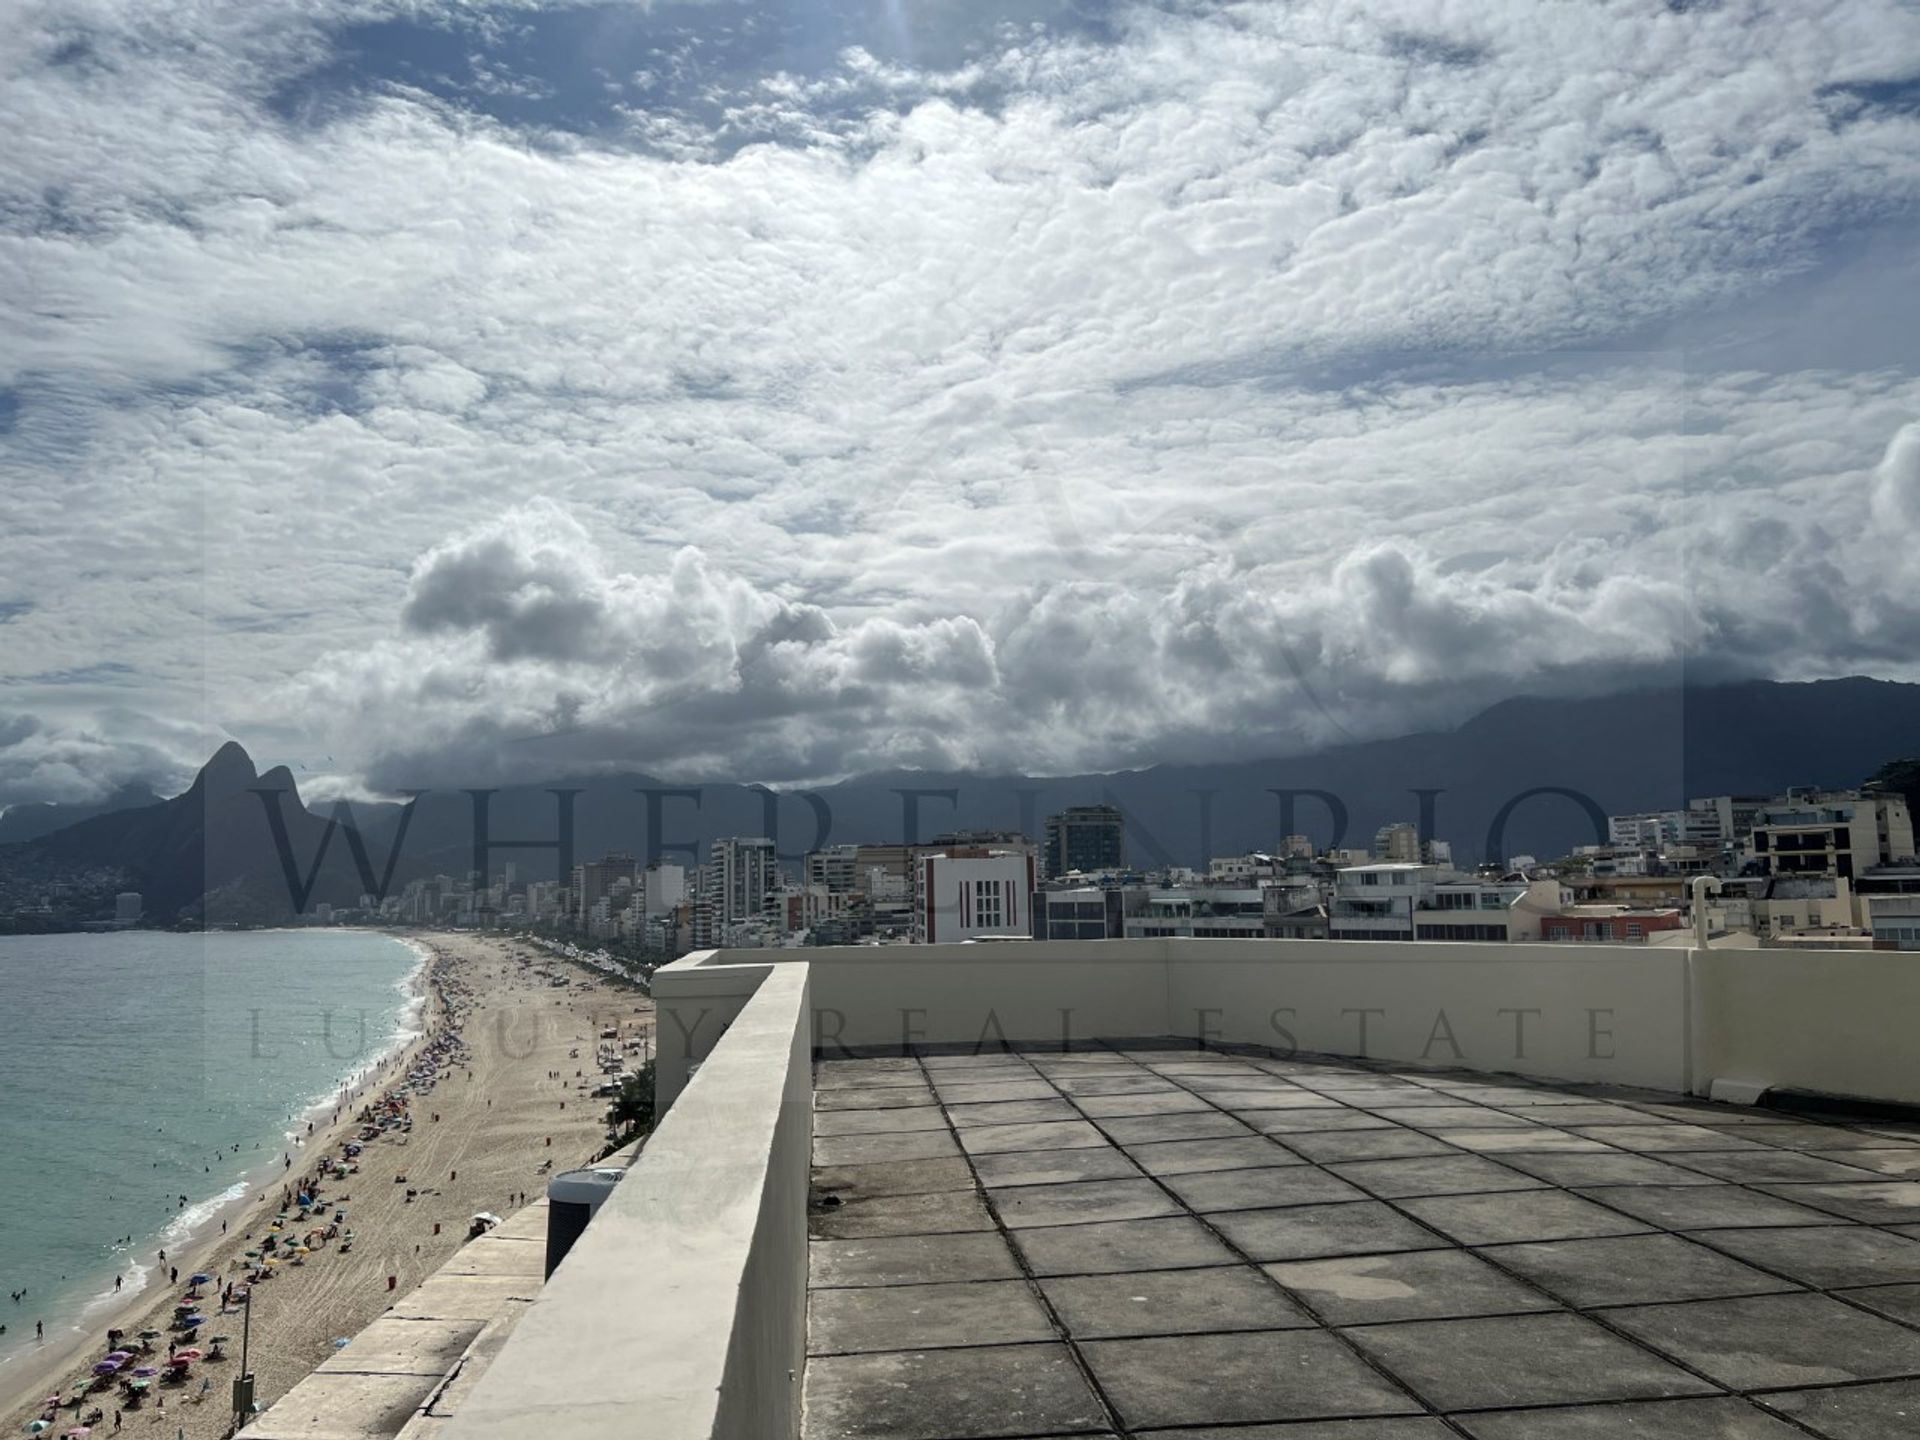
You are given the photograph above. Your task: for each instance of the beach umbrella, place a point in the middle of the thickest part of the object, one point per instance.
(120, 1355)
(138, 1385)
(219, 1339)
(34, 1427)
(144, 1372)
(199, 1279)
(77, 1431)
(106, 1367)
(149, 1334)
(186, 1354)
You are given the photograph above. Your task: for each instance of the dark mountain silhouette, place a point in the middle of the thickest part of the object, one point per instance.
(212, 852)
(208, 854)
(33, 819)
(1634, 751)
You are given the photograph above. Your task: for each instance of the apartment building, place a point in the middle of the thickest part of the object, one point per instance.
(1831, 833)
(971, 894)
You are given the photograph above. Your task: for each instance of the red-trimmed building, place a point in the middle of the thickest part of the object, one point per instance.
(1608, 924)
(965, 894)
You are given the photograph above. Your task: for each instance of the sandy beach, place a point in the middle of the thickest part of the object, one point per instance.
(505, 1102)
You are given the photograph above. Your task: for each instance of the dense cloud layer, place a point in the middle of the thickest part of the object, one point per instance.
(45, 761)
(1210, 379)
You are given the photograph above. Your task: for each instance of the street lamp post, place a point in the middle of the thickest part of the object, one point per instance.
(243, 1382)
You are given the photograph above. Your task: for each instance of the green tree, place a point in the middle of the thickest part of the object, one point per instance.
(631, 1114)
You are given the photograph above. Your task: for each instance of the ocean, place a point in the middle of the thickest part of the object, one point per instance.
(138, 1070)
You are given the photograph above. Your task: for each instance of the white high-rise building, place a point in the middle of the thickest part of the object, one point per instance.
(665, 888)
(1653, 830)
(744, 870)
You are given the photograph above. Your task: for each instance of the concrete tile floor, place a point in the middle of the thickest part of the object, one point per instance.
(1132, 1242)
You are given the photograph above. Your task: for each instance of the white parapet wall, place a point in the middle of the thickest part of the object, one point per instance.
(1841, 1022)
(680, 1312)
(1601, 1014)
(1614, 1015)
(1830, 1022)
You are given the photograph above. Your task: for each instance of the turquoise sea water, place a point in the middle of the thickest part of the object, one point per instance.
(132, 1065)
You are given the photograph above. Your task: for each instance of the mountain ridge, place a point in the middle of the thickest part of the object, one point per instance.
(1527, 774)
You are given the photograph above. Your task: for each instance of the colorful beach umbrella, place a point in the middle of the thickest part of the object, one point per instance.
(106, 1367)
(200, 1280)
(34, 1427)
(186, 1354)
(145, 1372)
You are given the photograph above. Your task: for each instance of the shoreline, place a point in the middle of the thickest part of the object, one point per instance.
(497, 1058)
(32, 1372)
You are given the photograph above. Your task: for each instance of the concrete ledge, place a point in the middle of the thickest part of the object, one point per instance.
(386, 1381)
(680, 1312)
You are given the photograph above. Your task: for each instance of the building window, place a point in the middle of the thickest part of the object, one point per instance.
(988, 913)
(1479, 933)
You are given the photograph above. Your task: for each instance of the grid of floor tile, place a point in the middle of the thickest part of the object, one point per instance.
(1189, 1245)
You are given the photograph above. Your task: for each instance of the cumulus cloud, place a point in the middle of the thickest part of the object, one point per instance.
(1210, 378)
(518, 631)
(44, 761)
(1896, 486)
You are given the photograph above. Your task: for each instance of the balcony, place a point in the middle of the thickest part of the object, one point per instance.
(1121, 1189)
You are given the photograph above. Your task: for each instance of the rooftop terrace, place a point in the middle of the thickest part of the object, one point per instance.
(1159, 1241)
(867, 1216)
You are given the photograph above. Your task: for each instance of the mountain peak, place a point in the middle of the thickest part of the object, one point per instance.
(231, 768)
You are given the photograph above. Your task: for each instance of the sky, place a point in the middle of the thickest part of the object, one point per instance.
(487, 389)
